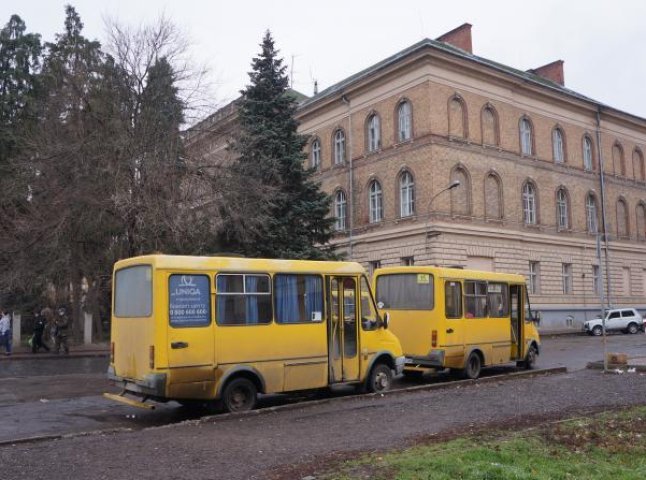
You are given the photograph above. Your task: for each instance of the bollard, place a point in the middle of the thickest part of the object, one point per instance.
(87, 329)
(15, 329)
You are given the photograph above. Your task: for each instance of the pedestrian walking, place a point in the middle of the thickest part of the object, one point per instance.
(39, 328)
(5, 331)
(60, 332)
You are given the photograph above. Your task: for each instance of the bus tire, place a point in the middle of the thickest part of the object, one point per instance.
(380, 378)
(472, 367)
(239, 395)
(530, 359)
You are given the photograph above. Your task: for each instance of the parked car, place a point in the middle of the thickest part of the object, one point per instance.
(627, 320)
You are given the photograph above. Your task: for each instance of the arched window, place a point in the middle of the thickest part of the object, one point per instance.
(558, 145)
(591, 213)
(530, 210)
(404, 116)
(339, 147)
(489, 126)
(622, 219)
(618, 164)
(406, 195)
(340, 210)
(457, 118)
(374, 133)
(638, 165)
(493, 196)
(587, 154)
(376, 202)
(315, 154)
(526, 141)
(461, 195)
(562, 209)
(641, 221)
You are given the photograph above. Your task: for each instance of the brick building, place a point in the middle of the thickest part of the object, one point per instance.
(543, 172)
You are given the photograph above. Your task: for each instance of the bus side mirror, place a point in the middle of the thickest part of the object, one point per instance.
(385, 321)
(536, 318)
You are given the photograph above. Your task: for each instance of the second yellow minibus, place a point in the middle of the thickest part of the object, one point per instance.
(458, 319)
(214, 329)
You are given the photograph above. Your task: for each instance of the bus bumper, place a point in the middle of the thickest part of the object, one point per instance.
(399, 365)
(152, 385)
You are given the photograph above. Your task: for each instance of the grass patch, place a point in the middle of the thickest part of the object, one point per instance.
(609, 445)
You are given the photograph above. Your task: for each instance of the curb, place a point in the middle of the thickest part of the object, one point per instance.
(598, 365)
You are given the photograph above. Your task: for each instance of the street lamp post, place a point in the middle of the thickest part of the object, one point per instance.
(453, 184)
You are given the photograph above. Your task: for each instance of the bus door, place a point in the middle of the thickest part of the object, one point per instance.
(190, 328)
(517, 309)
(342, 330)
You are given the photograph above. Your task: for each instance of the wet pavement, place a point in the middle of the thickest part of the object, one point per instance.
(28, 367)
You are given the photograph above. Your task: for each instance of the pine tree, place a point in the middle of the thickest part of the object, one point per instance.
(271, 150)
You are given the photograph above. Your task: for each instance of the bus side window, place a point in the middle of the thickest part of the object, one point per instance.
(498, 298)
(298, 298)
(243, 299)
(453, 299)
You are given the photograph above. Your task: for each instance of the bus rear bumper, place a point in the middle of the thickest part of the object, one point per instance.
(152, 385)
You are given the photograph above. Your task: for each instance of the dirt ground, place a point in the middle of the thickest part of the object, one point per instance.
(299, 441)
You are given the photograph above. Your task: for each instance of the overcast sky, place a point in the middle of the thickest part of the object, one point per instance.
(601, 42)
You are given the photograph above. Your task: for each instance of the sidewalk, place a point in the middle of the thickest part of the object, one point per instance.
(23, 352)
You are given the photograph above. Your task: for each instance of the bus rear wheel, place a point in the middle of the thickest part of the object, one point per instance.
(239, 395)
(472, 367)
(381, 378)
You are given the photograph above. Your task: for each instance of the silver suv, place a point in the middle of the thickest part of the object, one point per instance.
(627, 320)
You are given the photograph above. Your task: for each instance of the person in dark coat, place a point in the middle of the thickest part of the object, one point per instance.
(39, 328)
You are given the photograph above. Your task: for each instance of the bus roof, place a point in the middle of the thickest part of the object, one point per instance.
(240, 264)
(446, 272)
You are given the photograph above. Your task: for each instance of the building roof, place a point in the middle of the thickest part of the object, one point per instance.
(427, 43)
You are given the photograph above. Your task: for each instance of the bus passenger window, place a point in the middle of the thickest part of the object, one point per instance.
(498, 297)
(298, 298)
(243, 299)
(453, 299)
(475, 299)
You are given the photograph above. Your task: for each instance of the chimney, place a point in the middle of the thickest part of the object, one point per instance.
(552, 71)
(459, 37)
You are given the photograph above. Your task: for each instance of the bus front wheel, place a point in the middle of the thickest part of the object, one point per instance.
(239, 395)
(530, 359)
(472, 367)
(381, 378)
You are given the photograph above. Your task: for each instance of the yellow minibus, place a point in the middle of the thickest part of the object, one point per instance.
(221, 330)
(458, 319)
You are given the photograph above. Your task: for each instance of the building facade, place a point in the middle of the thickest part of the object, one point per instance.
(552, 184)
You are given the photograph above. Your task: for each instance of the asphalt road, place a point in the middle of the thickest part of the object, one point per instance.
(49, 397)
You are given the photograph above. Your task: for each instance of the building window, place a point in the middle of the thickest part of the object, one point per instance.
(493, 197)
(374, 133)
(376, 202)
(461, 195)
(562, 214)
(408, 261)
(641, 222)
(529, 204)
(622, 219)
(596, 280)
(558, 148)
(340, 209)
(339, 147)
(638, 165)
(533, 278)
(457, 118)
(405, 121)
(406, 195)
(618, 164)
(526, 147)
(625, 276)
(315, 155)
(566, 275)
(587, 153)
(591, 213)
(489, 126)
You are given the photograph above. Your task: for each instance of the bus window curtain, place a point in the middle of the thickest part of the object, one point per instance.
(252, 300)
(313, 296)
(286, 293)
